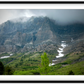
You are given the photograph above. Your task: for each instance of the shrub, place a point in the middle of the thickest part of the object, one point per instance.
(1, 68)
(8, 70)
(70, 72)
(35, 72)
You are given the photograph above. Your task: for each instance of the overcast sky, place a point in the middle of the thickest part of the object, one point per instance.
(62, 16)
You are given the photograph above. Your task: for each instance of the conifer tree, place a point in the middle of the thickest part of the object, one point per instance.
(44, 68)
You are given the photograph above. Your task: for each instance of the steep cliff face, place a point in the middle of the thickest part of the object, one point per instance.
(16, 36)
(36, 33)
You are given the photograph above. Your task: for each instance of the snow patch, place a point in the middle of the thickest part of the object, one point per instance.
(51, 64)
(4, 57)
(60, 51)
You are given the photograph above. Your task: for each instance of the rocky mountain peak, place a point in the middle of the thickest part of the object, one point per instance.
(25, 33)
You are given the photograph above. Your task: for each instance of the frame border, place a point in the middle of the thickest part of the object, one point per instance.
(40, 81)
(41, 2)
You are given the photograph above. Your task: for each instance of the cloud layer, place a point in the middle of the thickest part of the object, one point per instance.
(62, 16)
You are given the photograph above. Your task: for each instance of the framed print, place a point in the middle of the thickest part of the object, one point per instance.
(41, 42)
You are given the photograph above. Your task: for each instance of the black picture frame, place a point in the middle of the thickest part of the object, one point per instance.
(41, 2)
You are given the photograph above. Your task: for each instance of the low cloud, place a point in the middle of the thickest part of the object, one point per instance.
(62, 16)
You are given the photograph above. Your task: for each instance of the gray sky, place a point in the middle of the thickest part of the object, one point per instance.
(62, 16)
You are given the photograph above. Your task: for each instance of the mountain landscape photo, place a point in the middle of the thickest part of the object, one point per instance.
(42, 42)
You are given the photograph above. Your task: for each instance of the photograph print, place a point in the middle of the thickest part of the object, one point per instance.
(41, 41)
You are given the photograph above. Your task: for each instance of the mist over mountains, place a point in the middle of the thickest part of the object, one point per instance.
(62, 16)
(37, 34)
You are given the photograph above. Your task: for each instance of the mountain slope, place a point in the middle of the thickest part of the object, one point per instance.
(28, 38)
(35, 33)
(17, 36)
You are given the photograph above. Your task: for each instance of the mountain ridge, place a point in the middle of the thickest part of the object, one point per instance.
(36, 32)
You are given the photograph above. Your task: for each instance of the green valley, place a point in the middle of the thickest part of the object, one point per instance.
(28, 64)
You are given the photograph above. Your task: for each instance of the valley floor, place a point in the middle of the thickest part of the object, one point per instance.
(28, 63)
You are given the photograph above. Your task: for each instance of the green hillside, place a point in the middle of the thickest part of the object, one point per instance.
(28, 63)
